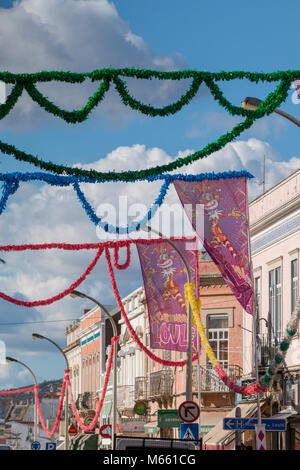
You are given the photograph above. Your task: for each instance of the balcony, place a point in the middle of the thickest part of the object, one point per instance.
(125, 397)
(267, 347)
(161, 384)
(141, 388)
(210, 381)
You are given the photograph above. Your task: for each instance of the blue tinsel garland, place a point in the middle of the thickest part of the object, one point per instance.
(11, 182)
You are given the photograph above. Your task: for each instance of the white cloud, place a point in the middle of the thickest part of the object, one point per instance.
(80, 36)
(47, 214)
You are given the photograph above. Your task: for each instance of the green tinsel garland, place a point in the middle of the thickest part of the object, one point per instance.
(107, 76)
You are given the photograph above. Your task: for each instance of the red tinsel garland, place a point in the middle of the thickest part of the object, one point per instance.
(19, 390)
(116, 258)
(63, 294)
(59, 411)
(100, 404)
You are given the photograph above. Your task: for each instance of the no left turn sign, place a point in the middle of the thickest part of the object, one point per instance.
(189, 411)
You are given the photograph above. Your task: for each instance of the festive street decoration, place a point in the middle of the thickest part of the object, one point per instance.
(106, 77)
(11, 183)
(135, 337)
(164, 277)
(217, 210)
(19, 390)
(268, 377)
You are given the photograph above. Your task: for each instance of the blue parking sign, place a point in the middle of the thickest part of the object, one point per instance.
(36, 445)
(50, 445)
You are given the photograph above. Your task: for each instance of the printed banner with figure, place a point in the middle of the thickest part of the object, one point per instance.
(217, 210)
(164, 277)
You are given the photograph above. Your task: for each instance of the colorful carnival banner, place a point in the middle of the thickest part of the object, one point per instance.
(217, 210)
(164, 277)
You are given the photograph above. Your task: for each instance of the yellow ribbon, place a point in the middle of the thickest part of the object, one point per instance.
(196, 305)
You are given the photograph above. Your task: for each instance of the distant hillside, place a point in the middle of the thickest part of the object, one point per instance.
(44, 387)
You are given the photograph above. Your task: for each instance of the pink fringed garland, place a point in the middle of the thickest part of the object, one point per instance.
(116, 258)
(60, 296)
(59, 411)
(19, 390)
(251, 389)
(100, 404)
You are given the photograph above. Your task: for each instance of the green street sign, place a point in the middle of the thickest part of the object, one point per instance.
(168, 419)
(140, 408)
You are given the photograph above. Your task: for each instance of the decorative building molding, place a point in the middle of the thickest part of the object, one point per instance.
(229, 311)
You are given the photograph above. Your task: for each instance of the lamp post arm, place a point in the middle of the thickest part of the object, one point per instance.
(112, 321)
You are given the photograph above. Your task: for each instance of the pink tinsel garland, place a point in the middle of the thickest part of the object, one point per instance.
(59, 411)
(63, 294)
(19, 390)
(100, 404)
(116, 258)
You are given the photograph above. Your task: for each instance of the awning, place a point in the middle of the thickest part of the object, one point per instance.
(217, 436)
(289, 414)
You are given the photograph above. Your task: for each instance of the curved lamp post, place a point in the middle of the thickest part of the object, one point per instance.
(253, 103)
(11, 359)
(37, 336)
(76, 293)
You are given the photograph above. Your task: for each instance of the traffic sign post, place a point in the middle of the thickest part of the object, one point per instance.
(260, 435)
(105, 431)
(36, 445)
(243, 424)
(50, 445)
(189, 411)
(72, 429)
(190, 431)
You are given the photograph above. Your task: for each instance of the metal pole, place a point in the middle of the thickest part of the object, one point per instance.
(37, 336)
(189, 353)
(199, 386)
(115, 358)
(238, 414)
(254, 315)
(35, 402)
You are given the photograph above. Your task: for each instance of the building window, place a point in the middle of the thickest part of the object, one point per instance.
(275, 304)
(218, 335)
(294, 283)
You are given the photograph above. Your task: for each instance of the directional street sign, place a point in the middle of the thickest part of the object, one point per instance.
(188, 411)
(249, 424)
(105, 431)
(36, 445)
(189, 431)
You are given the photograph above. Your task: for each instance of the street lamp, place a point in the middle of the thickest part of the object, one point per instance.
(11, 359)
(76, 293)
(253, 103)
(189, 352)
(37, 336)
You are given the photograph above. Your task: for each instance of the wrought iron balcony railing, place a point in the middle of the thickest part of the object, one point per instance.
(210, 381)
(161, 384)
(267, 346)
(125, 396)
(141, 388)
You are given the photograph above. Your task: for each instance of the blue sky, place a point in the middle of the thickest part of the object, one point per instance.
(77, 35)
